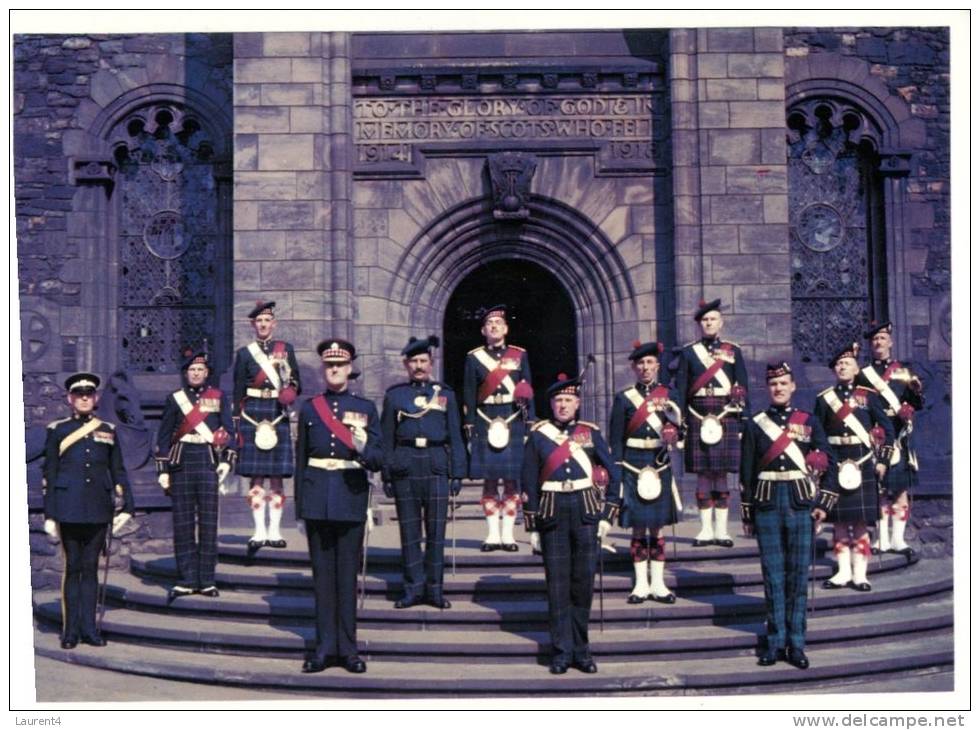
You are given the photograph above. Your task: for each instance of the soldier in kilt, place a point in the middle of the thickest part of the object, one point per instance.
(194, 456)
(861, 438)
(642, 428)
(712, 385)
(901, 393)
(266, 384)
(498, 404)
(784, 455)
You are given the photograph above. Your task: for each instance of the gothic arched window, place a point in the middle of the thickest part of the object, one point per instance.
(836, 216)
(172, 231)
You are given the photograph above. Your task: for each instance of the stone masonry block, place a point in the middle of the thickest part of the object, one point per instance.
(246, 215)
(768, 40)
(744, 329)
(761, 298)
(287, 275)
(712, 65)
(305, 119)
(368, 223)
(307, 70)
(687, 241)
(261, 119)
(767, 238)
(733, 147)
(775, 208)
(286, 152)
(779, 329)
(772, 89)
(262, 70)
(736, 209)
(683, 91)
(728, 269)
(248, 95)
(756, 179)
(731, 39)
(755, 65)
(259, 245)
(286, 44)
(246, 152)
(731, 89)
(757, 113)
(713, 114)
(377, 194)
(772, 143)
(305, 245)
(265, 186)
(687, 210)
(312, 185)
(713, 180)
(719, 239)
(287, 94)
(283, 216)
(775, 266)
(248, 275)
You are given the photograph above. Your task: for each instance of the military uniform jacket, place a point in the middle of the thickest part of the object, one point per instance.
(807, 434)
(624, 410)
(691, 366)
(247, 370)
(476, 371)
(81, 482)
(547, 437)
(422, 410)
(217, 414)
(895, 378)
(336, 494)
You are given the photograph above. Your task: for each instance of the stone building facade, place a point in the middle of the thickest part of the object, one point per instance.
(382, 185)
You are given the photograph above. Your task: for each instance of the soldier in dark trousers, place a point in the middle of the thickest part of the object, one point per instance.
(424, 460)
(901, 393)
(713, 389)
(83, 475)
(643, 426)
(266, 384)
(498, 404)
(784, 455)
(861, 437)
(194, 456)
(566, 465)
(339, 442)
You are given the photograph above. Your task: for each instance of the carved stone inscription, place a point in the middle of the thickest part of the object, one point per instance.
(387, 128)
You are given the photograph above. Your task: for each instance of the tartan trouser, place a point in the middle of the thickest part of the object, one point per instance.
(194, 491)
(82, 544)
(785, 537)
(569, 568)
(420, 496)
(334, 551)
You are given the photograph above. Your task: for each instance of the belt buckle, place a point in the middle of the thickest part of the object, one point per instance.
(421, 442)
(649, 443)
(497, 398)
(567, 485)
(331, 464)
(266, 392)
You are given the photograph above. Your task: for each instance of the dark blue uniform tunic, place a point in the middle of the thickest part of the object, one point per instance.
(423, 450)
(334, 502)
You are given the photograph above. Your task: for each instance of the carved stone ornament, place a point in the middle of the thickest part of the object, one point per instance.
(510, 179)
(86, 171)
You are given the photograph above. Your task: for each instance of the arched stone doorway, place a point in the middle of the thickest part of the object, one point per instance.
(541, 315)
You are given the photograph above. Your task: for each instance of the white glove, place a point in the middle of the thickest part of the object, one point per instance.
(164, 481)
(119, 520)
(222, 472)
(223, 488)
(535, 541)
(370, 520)
(51, 527)
(360, 438)
(604, 528)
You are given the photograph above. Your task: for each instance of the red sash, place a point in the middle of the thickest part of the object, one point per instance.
(843, 412)
(277, 351)
(496, 376)
(193, 419)
(558, 456)
(704, 378)
(640, 417)
(892, 367)
(796, 418)
(337, 428)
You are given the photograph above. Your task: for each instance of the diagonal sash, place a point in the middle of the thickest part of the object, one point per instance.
(846, 416)
(268, 369)
(194, 416)
(333, 425)
(565, 449)
(644, 409)
(881, 385)
(497, 375)
(781, 440)
(77, 435)
(713, 369)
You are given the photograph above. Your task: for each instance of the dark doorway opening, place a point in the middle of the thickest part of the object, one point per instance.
(541, 318)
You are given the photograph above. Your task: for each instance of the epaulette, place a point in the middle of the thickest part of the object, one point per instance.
(54, 424)
(475, 349)
(539, 424)
(590, 424)
(825, 390)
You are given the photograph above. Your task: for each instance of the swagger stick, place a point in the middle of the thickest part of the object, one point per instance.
(365, 545)
(602, 607)
(106, 548)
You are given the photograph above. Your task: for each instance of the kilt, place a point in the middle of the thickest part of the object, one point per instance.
(637, 512)
(901, 477)
(861, 504)
(486, 462)
(194, 492)
(256, 462)
(699, 458)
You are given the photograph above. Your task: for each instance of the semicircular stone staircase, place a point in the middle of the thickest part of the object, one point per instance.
(494, 639)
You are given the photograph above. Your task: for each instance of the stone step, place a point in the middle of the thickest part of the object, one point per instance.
(213, 633)
(386, 678)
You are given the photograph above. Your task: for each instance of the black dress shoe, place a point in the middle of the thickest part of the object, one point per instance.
(509, 547)
(317, 664)
(210, 592)
(908, 552)
(669, 598)
(797, 658)
(861, 587)
(489, 547)
(439, 602)
(407, 602)
(585, 665)
(725, 542)
(558, 666)
(253, 547)
(634, 599)
(354, 664)
(275, 543)
(69, 643)
(875, 550)
(96, 640)
(177, 591)
(771, 656)
(831, 586)
(703, 543)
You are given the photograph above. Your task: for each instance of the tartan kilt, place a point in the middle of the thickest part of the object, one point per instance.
(486, 462)
(638, 512)
(723, 456)
(255, 462)
(901, 477)
(861, 504)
